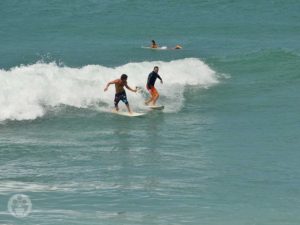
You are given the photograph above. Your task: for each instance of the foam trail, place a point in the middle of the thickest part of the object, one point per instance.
(26, 92)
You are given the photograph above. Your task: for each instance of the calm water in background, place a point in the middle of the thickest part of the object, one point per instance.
(224, 151)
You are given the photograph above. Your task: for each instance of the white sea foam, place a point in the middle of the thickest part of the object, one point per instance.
(18, 186)
(27, 92)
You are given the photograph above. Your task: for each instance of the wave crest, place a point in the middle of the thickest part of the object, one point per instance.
(26, 92)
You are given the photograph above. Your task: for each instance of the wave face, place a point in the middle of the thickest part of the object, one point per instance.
(28, 92)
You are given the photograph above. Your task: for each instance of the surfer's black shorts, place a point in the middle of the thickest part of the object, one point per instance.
(121, 96)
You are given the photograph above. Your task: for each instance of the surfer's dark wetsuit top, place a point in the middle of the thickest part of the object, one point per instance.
(151, 79)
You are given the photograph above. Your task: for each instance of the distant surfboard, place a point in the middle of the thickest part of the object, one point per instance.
(158, 107)
(159, 48)
(133, 114)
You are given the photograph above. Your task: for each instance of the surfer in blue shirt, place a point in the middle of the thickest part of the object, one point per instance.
(150, 86)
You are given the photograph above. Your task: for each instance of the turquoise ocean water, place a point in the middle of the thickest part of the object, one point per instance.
(225, 151)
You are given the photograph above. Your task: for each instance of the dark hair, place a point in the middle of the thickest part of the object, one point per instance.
(123, 77)
(155, 67)
(153, 41)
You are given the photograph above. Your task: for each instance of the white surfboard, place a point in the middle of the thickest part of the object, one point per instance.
(123, 113)
(158, 107)
(158, 48)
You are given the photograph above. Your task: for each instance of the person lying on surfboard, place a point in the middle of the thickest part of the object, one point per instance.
(120, 91)
(150, 86)
(153, 45)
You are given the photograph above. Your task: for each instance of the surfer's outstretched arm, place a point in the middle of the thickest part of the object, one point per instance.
(109, 83)
(129, 88)
(161, 81)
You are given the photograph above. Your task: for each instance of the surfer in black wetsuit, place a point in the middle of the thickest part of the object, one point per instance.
(150, 86)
